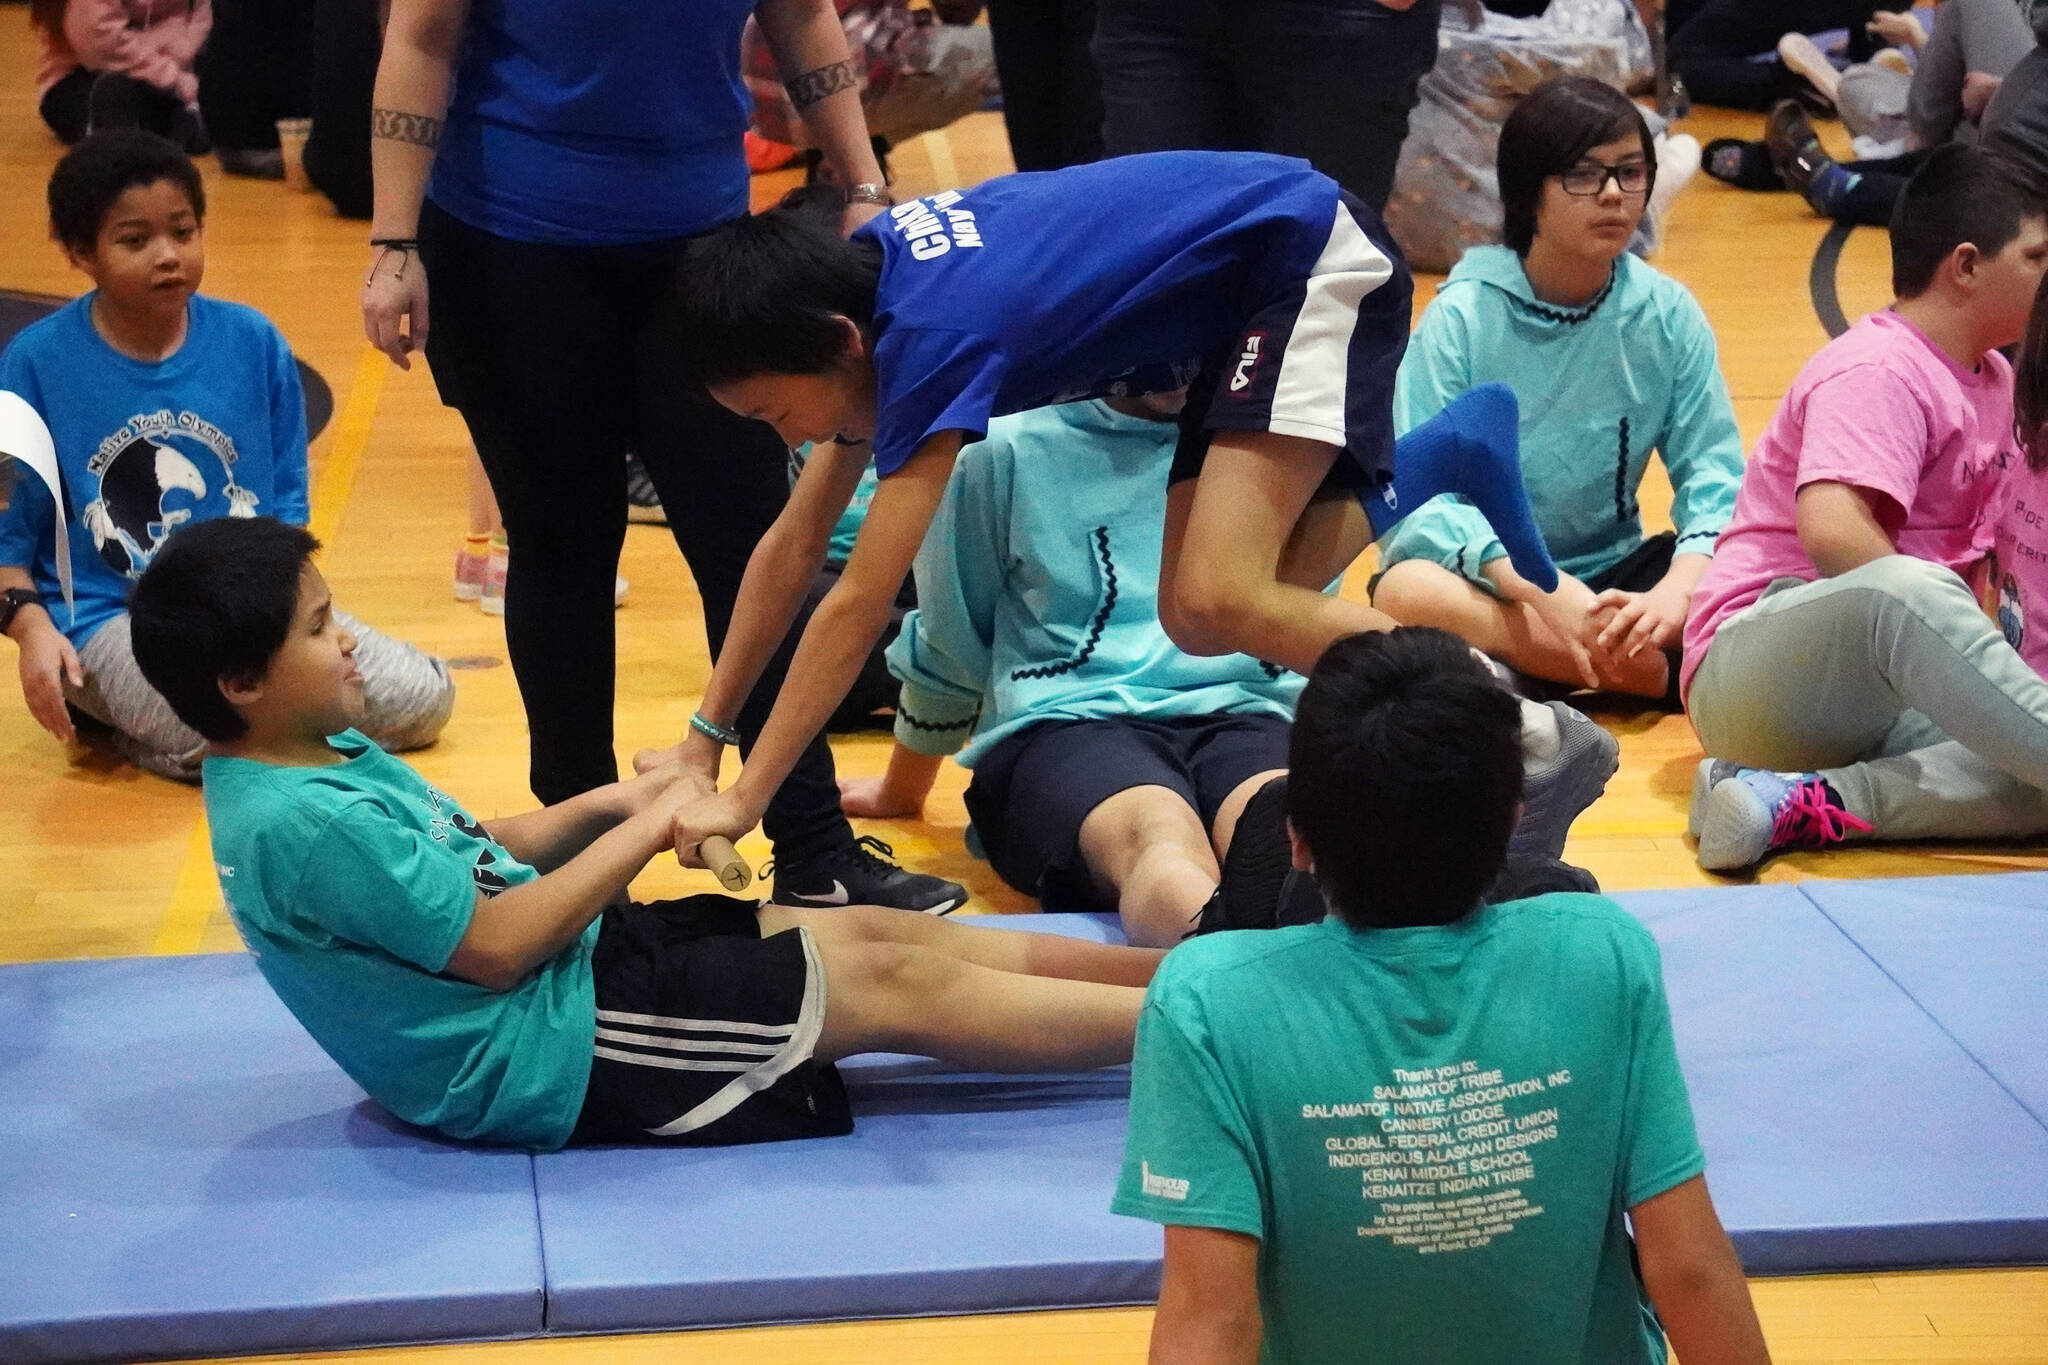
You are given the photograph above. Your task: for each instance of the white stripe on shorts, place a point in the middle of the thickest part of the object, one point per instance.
(695, 1025)
(667, 1044)
(1309, 395)
(671, 1063)
(755, 1077)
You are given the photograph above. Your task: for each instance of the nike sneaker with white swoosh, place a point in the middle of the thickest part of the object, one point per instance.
(864, 873)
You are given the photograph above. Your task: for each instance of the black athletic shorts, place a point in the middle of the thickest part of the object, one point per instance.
(705, 1030)
(1031, 792)
(1317, 357)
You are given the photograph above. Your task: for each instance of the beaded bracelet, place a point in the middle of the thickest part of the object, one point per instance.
(711, 729)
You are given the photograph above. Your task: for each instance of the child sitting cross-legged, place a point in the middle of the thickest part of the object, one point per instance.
(1412, 1131)
(1612, 361)
(167, 408)
(486, 980)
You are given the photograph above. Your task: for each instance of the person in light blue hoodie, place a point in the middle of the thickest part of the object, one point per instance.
(1610, 360)
(1110, 768)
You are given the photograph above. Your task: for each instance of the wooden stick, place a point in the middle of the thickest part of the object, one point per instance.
(725, 862)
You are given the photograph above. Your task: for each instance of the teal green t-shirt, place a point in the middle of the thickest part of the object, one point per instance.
(352, 885)
(1433, 1132)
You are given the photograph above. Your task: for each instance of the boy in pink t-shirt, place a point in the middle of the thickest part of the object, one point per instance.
(1840, 671)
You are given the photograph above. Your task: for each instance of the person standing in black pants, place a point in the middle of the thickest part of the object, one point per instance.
(547, 200)
(1052, 98)
(1331, 81)
(1712, 45)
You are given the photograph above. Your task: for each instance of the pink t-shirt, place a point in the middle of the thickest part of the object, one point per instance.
(2017, 585)
(1883, 409)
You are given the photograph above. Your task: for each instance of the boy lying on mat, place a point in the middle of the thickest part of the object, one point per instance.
(491, 982)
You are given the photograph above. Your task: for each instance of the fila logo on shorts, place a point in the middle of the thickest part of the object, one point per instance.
(1247, 363)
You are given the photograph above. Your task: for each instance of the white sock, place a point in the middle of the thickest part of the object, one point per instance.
(1540, 738)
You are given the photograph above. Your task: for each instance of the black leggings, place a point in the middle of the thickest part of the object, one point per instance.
(1711, 45)
(561, 359)
(1052, 99)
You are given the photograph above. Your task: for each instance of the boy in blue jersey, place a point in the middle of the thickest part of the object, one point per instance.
(1253, 280)
(486, 980)
(1411, 1132)
(166, 408)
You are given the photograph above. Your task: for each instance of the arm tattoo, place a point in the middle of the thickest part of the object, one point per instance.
(821, 81)
(398, 126)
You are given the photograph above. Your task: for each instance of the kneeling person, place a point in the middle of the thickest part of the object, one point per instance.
(1411, 1131)
(477, 979)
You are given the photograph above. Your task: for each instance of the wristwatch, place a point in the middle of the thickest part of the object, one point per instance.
(13, 600)
(868, 192)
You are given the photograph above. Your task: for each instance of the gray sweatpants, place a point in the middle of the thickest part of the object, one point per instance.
(1892, 683)
(407, 696)
(1969, 35)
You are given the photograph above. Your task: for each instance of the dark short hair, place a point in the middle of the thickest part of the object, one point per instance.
(217, 602)
(763, 294)
(1960, 194)
(1551, 131)
(2030, 385)
(1404, 776)
(105, 166)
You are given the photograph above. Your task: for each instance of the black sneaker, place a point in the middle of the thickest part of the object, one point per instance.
(643, 504)
(864, 873)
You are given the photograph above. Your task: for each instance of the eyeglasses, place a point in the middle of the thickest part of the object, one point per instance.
(1589, 178)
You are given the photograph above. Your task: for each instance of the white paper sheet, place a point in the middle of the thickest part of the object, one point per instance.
(23, 437)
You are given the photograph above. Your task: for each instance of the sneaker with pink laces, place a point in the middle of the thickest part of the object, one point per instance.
(1757, 812)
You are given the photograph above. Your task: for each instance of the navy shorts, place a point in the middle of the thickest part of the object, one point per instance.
(705, 1030)
(1316, 359)
(1032, 790)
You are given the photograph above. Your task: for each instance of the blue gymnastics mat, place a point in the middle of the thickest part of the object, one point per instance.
(1973, 952)
(185, 1174)
(1844, 1129)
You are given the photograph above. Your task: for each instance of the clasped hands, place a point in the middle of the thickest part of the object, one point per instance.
(688, 774)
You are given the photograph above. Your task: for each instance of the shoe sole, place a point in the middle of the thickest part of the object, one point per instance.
(491, 606)
(465, 592)
(945, 908)
(1811, 65)
(1735, 828)
(1702, 787)
(1574, 785)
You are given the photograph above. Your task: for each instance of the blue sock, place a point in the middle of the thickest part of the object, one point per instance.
(1828, 191)
(1472, 448)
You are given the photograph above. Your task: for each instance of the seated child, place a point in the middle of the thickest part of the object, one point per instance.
(167, 408)
(1109, 767)
(1614, 360)
(485, 980)
(1253, 277)
(1835, 625)
(121, 64)
(1302, 1224)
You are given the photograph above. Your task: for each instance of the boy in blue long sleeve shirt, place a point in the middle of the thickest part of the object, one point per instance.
(166, 409)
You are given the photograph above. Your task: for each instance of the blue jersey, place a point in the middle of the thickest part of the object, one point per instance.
(1121, 277)
(216, 430)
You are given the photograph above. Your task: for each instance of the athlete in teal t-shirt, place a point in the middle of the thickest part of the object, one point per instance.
(490, 982)
(1412, 1132)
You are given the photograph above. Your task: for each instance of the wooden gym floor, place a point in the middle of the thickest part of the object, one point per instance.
(107, 861)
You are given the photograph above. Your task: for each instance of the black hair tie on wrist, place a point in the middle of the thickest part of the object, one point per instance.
(411, 244)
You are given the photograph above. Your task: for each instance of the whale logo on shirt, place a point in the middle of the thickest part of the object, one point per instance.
(148, 487)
